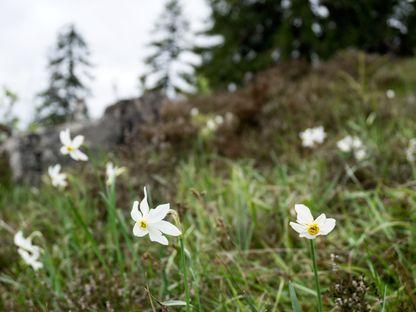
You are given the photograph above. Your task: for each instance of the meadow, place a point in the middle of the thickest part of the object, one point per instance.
(232, 166)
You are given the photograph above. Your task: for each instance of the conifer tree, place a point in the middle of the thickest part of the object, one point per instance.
(8, 120)
(256, 33)
(65, 97)
(168, 72)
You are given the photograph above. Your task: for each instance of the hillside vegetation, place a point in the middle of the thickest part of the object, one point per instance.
(232, 165)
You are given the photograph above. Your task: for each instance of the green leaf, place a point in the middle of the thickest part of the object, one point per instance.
(172, 303)
(294, 299)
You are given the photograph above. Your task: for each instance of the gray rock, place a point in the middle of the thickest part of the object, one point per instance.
(30, 154)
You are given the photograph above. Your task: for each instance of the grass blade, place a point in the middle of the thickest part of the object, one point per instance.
(294, 299)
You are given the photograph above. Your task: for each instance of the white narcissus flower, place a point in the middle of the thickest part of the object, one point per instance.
(353, 144)
(150, 221)
(212, 125)
(309, 227)
(29, 252)
(113, 172)
(71, 146)
(194, 111)
(390, 94)
(30, 259)
(411, 151)
(312, 136)
(58, 179)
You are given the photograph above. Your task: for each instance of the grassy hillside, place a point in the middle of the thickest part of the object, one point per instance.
(234, 181)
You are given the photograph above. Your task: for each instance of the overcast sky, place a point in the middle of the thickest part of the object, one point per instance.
(117, 32)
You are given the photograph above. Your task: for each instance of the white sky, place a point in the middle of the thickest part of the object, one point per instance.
(117, 32)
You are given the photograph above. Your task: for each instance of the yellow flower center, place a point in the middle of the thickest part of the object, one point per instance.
(313, 229)
(70, 148)
(142, 224)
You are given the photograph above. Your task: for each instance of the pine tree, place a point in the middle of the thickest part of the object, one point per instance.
(8, 100)
(248, 31)
(168, 71)
(64, 98)
(8, 121)
(256, 33)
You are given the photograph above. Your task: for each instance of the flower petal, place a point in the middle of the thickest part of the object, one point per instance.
(298, 227)
(78, 155)
(156, 236)
(65, 137)
(304, 215)
(64, 150)
(77, 141)
(320, 221)
(327, 227)
(135, 213)
(137, 231)
(307, 235)
(159, 213)
(166, 228)
(144, 206)
(74, 155)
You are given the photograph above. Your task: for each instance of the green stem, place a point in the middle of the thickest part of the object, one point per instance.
(185, 275)
(315, 271)
(112, 221)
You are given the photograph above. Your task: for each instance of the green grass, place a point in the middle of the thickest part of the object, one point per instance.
(240, 252)
(238, 249)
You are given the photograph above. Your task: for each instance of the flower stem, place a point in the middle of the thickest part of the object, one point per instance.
(315, 271)
(185, 275)
(112, 222)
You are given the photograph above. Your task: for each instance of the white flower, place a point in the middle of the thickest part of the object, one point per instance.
(58, 179)
(25, 243)
(312, 136)
(390, 94)
(360, 154)
(411, 151)
(353, 144)
(150, 221)
(219, 120)
(194, 111)
(309, 227)
(30, 259)
(113, 172)
(212, 125)
(29, 252)
(71, 147)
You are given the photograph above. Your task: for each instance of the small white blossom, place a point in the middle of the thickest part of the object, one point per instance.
(390, 94)
(229, 117)
(71, 147)
(219, 120)
(312, 136)
(58, 179)
(29, 252)
(113, 172)
(309, 227)
(212, 125)
(360, 154)
(150, 221)
(350, 144)
(411, 151)
(194, 111)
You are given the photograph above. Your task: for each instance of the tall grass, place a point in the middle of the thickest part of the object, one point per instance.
(237, 252)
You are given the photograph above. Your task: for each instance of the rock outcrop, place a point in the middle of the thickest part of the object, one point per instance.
(30, 154)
